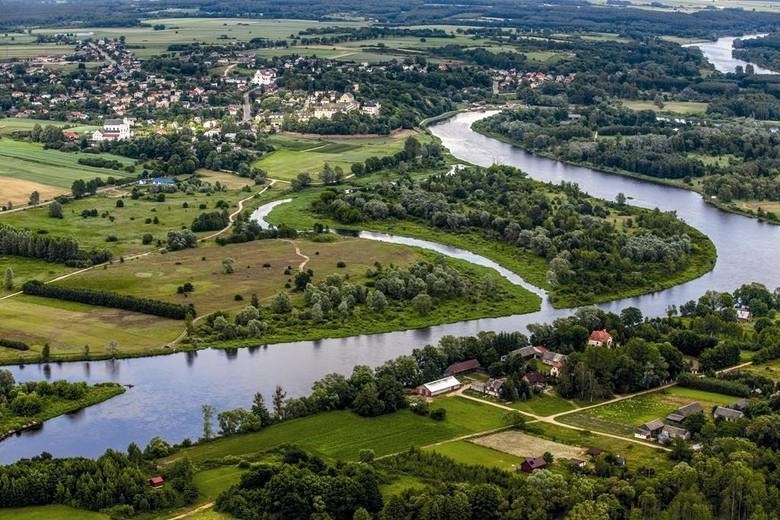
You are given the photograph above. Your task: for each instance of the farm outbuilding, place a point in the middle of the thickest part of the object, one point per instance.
(438, 387)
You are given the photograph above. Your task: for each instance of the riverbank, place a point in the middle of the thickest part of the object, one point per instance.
(729, 207)
(55, 406)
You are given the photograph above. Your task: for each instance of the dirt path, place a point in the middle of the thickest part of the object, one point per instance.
(192, 511)
(227, 70)
(298, 252)
(232, 216)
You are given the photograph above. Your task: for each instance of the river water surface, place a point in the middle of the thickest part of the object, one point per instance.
(719, 54)
(168, 391)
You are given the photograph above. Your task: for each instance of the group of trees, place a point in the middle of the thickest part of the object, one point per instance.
(108, 299)
(213, 221)
(588, 254)
(302, 486)
(23, 242)
(115, 482)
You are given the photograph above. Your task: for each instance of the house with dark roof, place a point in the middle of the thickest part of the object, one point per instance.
(531, 464)
(555, 361)
(650, 430)
(727, 414)
(463, 367)
(535, 379)
(491, 387)
(594, 452)
(684, 412)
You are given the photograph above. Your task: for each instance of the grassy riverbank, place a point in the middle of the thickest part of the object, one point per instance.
(54, 406)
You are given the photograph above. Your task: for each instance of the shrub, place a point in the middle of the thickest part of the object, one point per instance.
(438, 414)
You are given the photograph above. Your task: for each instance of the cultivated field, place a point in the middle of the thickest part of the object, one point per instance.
(33, 50)
(521, 445)
(678, 107)
(624, 416)
(28, 165)
(13, 124)
(205, 30)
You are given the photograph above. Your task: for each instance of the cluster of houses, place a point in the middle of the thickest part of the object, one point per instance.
(504, 80)
(673, 428)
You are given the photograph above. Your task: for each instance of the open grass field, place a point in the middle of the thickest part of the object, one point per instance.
(129, 223)
(624, 416)
(770, 369)
(205, 30)
(475, 452)
(12, 124)
(33, 50)
(677, 107)
(301, 154)
(158, 277)
(26, 165)
(342, 434)
(544, 405)
(521, 445)
(635, 454)
(212, 482)
(29, 269)
(68, 327)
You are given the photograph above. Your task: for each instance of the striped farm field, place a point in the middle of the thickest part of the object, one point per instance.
(27, 167)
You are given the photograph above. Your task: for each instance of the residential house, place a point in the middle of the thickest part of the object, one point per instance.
(491, 387)
(463, 367)
(264, 77)
(684, 412)
(594, 452)
(727, 414)
(372, 108)
(555, 361)
(649, 430)
(743, 315)
(156, 482)
(438, 387)
(535, 379)
(673, 432)
(531, 464)
(600, 338)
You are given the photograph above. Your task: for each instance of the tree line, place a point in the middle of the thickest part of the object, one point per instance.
(163, 309)
(25, 243)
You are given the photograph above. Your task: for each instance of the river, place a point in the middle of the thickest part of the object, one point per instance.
(168, 391)
(719, 54)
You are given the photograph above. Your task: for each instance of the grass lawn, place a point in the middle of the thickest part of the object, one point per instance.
(28, 269)
(342, 434)
(635, 454)
(68, 327)
(624, 416)
(54, 406)
(27, 167)
(302, 154)
(56, 512)
(212, 482)
(13, 124)
(544, 405)
(467, 452)
(677, 107)
(400, 484)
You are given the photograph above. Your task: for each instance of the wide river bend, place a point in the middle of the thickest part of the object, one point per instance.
(168, 391)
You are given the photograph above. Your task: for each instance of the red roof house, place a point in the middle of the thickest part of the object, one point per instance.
(600, 338)
(156, 481)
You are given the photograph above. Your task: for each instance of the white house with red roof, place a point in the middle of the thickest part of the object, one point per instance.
(600, 338)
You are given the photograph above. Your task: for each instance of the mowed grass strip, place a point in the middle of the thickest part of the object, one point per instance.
(624, 416)
(342, 434)
(55, 512)
(544, 405)
(467, 452)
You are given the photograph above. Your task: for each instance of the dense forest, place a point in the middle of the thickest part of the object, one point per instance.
(593, 248)
(764, 51)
